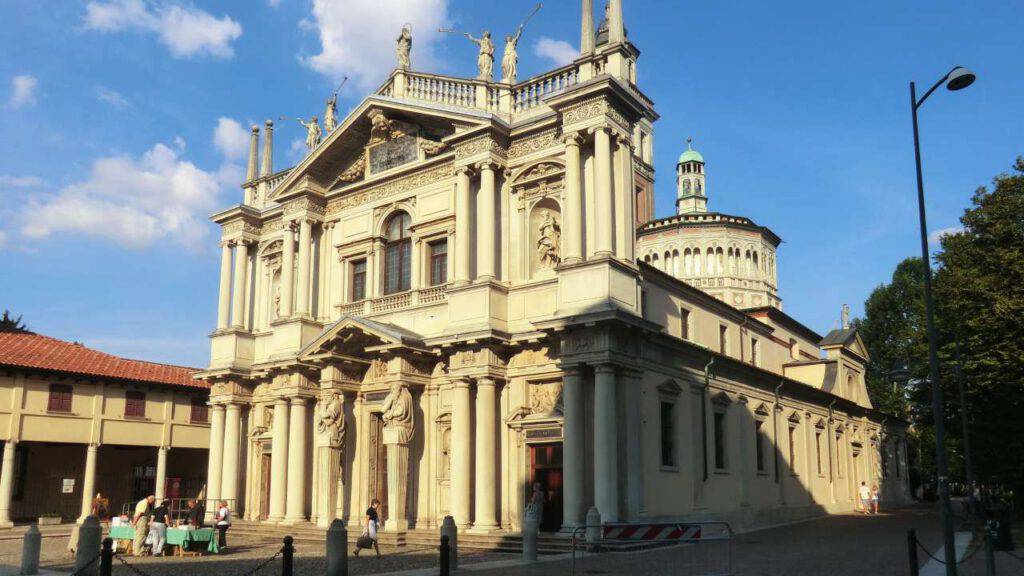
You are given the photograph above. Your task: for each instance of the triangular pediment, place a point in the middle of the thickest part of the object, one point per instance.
(359, 339)
(379, 135)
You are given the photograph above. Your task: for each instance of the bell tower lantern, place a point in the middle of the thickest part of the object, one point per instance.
(691, 192)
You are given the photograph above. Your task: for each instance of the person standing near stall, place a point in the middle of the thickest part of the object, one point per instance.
(141, 522)
(158, 527)
(223, 523)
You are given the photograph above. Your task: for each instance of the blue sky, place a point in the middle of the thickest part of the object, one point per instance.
(124, 128)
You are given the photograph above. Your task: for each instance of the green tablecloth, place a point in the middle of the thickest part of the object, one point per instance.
(122, 532)
(186, 538)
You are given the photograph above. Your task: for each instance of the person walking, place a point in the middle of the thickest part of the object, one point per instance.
(864, 493)
(223, 523)
(874, 498)
(158, 527)
(372, 522)
(141, 522)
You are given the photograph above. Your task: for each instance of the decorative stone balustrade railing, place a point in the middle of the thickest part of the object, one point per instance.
(394, 302)
(530, 93)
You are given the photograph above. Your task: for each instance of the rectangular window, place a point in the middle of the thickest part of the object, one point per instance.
(817, 450)
(60, 398)
(668, 446)
(684, 323)
(720, 440)
(754, 345)
(792, 449)
(358, 280)
(723, 344)
(134, 404)
(759, 444)
(839, 455)
(200, 412)
(438, 262)
(397, 266)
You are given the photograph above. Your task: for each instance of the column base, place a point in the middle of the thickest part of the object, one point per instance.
(294, 521)
(7, 524)
(396, 525)
(485, 529)
(274, 519)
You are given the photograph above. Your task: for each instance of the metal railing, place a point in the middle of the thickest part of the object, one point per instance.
(708, 545)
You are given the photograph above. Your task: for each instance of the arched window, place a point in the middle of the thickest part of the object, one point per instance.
(675, 263)
(397, 254)
(688, 262)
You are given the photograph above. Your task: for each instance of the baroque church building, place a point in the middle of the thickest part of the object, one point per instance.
(461, 292)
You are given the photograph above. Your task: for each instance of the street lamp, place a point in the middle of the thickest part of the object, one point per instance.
(956, 79)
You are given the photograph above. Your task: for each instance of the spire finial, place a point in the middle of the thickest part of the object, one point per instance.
(689, 142)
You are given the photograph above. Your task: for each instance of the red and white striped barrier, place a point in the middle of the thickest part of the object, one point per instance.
(652, 532)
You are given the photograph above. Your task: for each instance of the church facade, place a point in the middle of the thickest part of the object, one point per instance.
(452, 299)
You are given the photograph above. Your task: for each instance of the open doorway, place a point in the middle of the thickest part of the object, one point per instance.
(546, 470)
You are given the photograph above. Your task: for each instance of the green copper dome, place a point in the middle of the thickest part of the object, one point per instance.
(690, 155)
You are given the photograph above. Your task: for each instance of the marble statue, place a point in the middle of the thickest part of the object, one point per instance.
(313, 132)
(845, 316)
(485, 60)
(510, 60)
(331, 114)
(547, 240)
(277, 300)
(397, 412)
(330, 421)
(404, 47)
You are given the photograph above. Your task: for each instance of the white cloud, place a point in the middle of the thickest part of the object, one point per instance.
(186, 30)
(8, 181)
(23, 91)
(559, 52)
(357, 37)
(936, 236)
(132, 201)
(231, 138)
(112, 97)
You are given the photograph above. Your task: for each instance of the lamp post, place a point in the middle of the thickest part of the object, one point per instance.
(956, 79)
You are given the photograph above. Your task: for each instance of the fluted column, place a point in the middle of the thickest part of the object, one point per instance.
(287, 270)
(224, 295)
(461, 454)
(215, 466)
(279, 461)
(161, 473)
(572, 448)
(486, 230)
(297, 462)
(88, 480)
(606, 492)
(572, 228)
(232, 446)
(603, 192)
(485, 518)
(238, 292)
(304, 274)
(463, 227)
(7, 484)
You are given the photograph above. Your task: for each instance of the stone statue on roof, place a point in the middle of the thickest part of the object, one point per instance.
(485, 59)
(404, 47)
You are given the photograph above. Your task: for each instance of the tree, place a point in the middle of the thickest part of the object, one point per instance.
(10, 324)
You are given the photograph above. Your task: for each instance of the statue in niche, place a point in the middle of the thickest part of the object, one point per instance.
(403, 47)
(485, 59)
(548, 237)
(397, 412)
(331, 114)
(277, 300)
(510, 60)
(330, 420)
(268, 417)
(313, 132)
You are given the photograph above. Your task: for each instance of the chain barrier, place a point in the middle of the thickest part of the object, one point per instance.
(139, 572)
(83, 568)
(958, 562)
(136, 571)
(263, 564)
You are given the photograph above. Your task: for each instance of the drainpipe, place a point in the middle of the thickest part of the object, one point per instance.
(704, 412)
(775, 428)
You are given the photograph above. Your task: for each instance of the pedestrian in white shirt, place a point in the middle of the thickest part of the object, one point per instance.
(865, 497)
(223, 523)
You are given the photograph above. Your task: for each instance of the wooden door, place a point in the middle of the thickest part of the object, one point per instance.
(546, 470)
(264, 486)
(378, 481)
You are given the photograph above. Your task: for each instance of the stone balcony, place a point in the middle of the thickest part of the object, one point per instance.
(395, 302)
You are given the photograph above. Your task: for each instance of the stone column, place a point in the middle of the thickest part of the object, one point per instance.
(297, 462)
(88, 479)
(304, 273)
(161, 473)
(232, 446)
(216, 462)
(606, 492)
(486, 231)
(587, 28)
(572, 229)
(461, 454)
(279, 461)
(603, 197)
(287, 270)
(572, 448)
(267, 167)
(254, 151)
(224, 295)
(463, 227)
(7, 484)
(485, 519)
(238, 292)
(398, 481)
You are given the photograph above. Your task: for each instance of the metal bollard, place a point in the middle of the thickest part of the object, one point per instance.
(990, 555)
(107, 557)
(593, 529)
(530, 528)
(30, 550)
(287, 553)
(337, 549)
(912, 552)
(445, 560)
(88, 547)
(449, 529)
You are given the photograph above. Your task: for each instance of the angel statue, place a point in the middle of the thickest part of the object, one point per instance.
(547, 240)
(485, 60)
(313, 132)
(510, 60)
(404, 47)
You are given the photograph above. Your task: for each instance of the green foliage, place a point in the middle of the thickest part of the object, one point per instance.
(9, 323)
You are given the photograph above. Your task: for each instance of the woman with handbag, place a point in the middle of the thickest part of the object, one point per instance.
(369, 537)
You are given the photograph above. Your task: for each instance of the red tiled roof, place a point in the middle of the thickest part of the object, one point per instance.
(27, 350)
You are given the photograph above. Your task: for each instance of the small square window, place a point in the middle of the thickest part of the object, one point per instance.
(200, 412)
(60, 398)
(134, 404)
